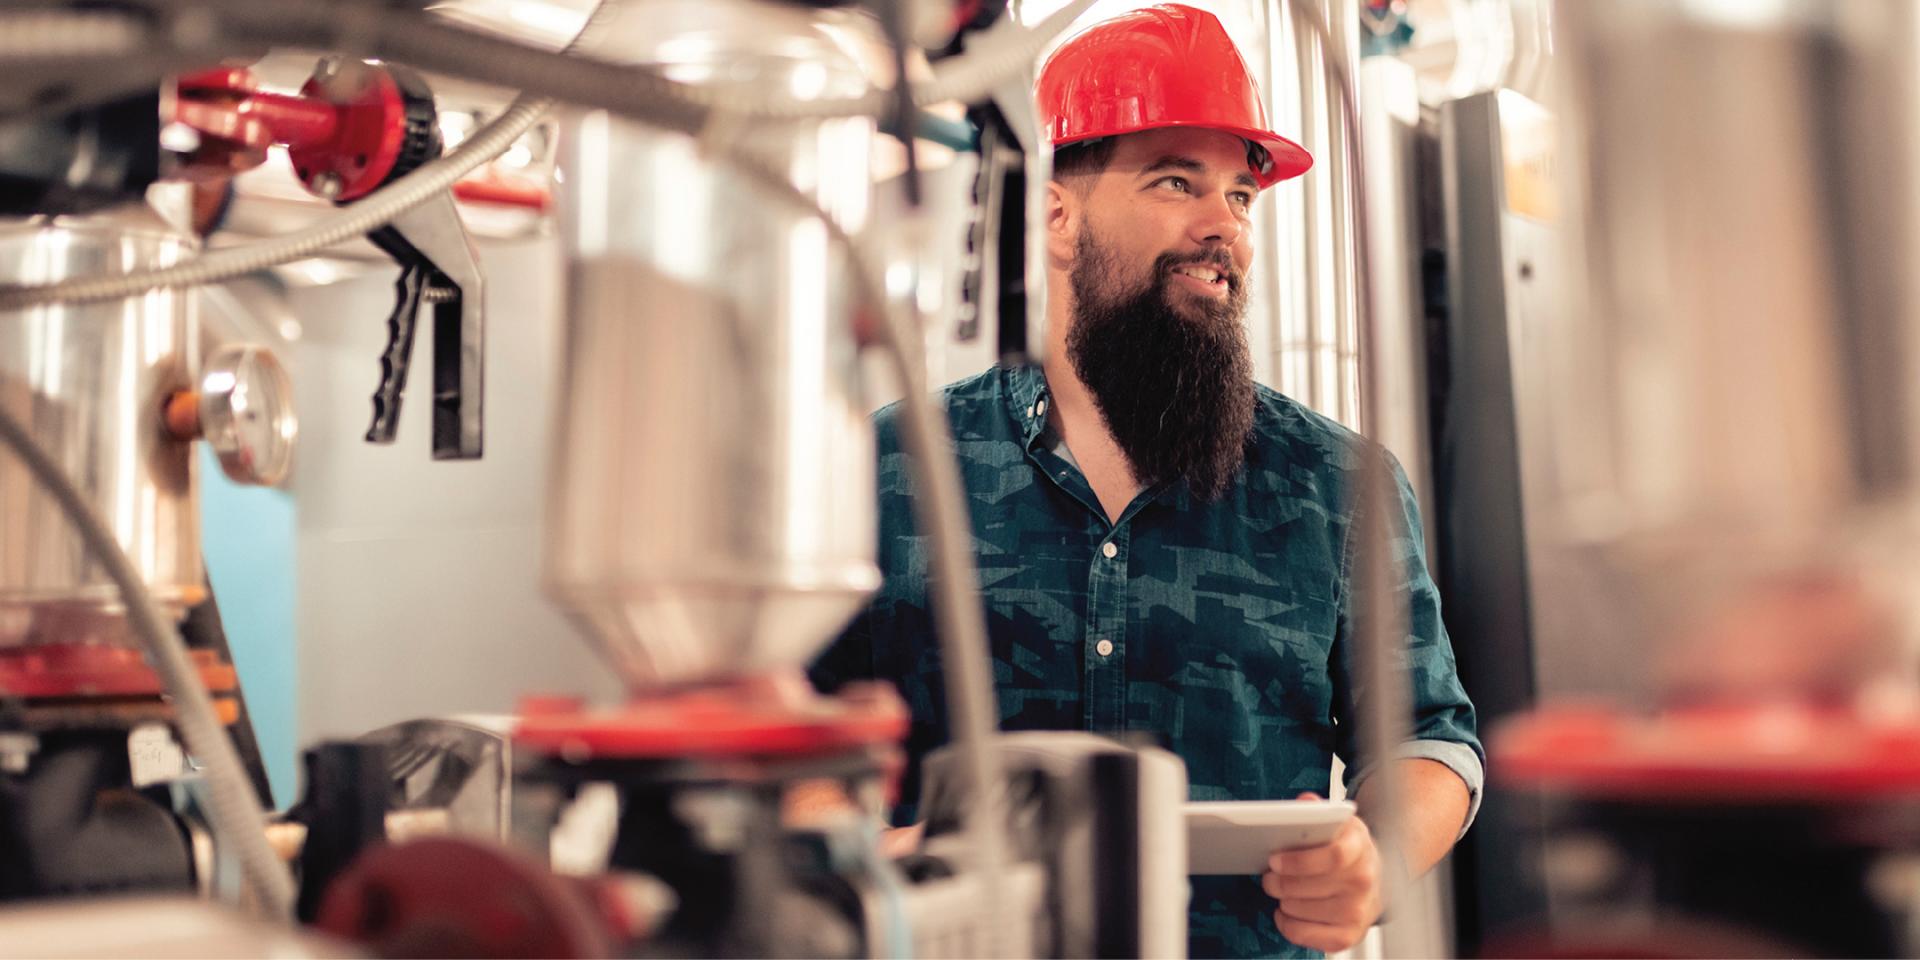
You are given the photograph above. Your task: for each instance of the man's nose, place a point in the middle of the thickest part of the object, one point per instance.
(1216, 222)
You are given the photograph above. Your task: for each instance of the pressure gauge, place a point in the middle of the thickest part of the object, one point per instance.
(246, 414)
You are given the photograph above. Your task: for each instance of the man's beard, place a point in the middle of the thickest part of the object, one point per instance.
(1174, 385)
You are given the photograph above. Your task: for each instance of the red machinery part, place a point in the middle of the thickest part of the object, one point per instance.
(385, 128)
(447, 897)
(1762, 752)
(289, 120)
(749, 719)
(503, 193)
(66, 671)
(354, 126)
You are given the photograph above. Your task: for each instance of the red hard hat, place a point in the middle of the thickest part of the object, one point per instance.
(1163, 66)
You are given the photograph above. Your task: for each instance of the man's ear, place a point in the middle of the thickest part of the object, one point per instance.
(1065, 210)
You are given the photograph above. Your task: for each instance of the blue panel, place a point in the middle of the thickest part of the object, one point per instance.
(248, 537)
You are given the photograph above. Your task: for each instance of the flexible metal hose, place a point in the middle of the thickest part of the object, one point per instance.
(940, 512)
(636, 91)
(234, 811)
(940, 507)
(374, 211)
(377, 209)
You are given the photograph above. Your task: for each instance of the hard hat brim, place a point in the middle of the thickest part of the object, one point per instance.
(1289, 159)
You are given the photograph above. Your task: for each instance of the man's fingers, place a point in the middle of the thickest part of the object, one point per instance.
(1328, 937)
(1315, 887)
(1305, 861)
(900, 841)
(1340, 911)
(1347, 848)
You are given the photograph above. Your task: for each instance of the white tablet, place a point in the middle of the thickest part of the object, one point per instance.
(1236, 837)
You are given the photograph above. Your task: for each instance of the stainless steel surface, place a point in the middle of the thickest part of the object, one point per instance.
(711, 506)
(459, 766)
(246, 414)
(1313, 302)
(1740, 371)
(1397, 338)
(153, 926)
(434, 229)
(89, 382)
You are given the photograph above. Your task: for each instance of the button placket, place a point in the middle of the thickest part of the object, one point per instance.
(1106, 633)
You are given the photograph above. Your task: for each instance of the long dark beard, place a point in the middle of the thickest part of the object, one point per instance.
(1173, 383)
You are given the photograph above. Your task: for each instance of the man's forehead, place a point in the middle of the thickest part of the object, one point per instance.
(1180, 147)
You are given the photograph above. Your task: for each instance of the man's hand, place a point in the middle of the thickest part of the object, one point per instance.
(897, 842)
(1330, 894)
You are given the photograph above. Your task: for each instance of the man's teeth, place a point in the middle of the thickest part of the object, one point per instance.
(1208, 274)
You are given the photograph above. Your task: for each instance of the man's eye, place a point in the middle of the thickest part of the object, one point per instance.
(1177, 183)
(1243, 199)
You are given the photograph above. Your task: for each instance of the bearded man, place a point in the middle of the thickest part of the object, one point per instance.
(1165, 545)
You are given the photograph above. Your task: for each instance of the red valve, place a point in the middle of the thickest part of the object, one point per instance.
(354, 126)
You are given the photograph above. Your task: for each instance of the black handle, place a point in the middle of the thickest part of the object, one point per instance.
(409, 291)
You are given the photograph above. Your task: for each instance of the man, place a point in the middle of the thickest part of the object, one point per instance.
(1163, 544)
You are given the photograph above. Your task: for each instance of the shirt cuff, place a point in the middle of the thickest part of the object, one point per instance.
(1458, 757)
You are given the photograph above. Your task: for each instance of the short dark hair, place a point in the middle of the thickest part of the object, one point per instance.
(1083, 157)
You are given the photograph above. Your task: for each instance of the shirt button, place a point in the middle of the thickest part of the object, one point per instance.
(1104, 648)
(1108, 550)
(1041, 408)
(1029, 411)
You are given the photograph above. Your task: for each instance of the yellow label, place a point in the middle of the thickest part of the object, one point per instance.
(1527, 153)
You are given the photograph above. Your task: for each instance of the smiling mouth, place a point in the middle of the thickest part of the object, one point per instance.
(1204, 278)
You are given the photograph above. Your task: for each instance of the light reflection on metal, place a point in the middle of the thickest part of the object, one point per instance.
(711, 507)
(1747, 341)
(89, 382)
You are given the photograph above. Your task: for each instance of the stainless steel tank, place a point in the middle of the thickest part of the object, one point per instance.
(712, 499)
(89, 382)
(1734, 379)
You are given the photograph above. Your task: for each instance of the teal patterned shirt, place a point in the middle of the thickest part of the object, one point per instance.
(1223, 628)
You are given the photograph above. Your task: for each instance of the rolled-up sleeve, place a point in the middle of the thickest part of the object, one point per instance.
(1458, 757)
(1443, 727)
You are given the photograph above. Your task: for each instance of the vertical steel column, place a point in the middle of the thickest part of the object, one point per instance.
(1326, 45)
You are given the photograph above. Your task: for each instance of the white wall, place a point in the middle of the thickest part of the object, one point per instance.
(418, 579)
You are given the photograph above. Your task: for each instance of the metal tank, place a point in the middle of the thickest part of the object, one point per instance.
(1732, 387)
(89, 382)
(711, 505)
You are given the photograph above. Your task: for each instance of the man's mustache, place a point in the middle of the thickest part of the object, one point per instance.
(1218, 259)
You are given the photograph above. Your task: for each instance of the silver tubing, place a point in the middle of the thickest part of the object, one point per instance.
(1381, 617)
(234, 811)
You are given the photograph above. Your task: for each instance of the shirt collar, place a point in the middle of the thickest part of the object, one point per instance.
(1027, 401)
(1028, 398)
